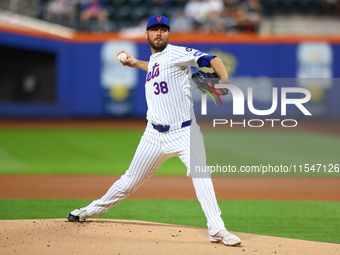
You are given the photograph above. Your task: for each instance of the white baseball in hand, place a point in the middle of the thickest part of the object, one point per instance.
(122, 56)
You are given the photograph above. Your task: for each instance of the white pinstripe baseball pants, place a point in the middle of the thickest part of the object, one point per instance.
(153, 150)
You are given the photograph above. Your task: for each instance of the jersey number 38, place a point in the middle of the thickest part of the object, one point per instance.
(161, 87)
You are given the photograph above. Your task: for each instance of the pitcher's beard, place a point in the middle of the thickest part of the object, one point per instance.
(159, 46)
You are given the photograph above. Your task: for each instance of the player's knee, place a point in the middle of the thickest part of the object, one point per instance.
(129, 184)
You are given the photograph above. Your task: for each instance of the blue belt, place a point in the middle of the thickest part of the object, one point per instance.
(162, 129)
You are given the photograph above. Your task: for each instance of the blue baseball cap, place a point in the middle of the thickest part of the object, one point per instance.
(158, 20)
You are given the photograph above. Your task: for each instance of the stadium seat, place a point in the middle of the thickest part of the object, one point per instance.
(126, 23)
(308, 6)
(290, 6)
(123, 12)
(136, 2)
(139, 13)
(170, 11)
(156, 10)
(118, 2)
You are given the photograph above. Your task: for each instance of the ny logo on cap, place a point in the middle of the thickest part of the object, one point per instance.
(159, 19)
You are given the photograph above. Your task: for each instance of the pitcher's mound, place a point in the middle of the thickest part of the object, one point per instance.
(100, 237)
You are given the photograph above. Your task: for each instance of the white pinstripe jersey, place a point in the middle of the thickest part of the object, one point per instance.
(168, 86)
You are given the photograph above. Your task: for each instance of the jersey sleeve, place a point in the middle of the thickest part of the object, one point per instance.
(185, 56)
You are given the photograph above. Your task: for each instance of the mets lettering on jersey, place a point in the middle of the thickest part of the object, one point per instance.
(168, 85)
(153, 73)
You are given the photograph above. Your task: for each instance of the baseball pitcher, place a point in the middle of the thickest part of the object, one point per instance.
(171, 128)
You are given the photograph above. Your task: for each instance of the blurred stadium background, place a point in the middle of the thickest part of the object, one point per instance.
(57, 62)
(277, 16)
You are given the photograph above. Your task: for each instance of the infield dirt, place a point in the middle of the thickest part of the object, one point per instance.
(56, 236)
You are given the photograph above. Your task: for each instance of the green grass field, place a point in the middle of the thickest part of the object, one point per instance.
(106, 152)
(110, 152)
(306, 154)
(314, 221)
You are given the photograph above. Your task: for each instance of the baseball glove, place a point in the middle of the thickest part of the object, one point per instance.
(206, 83)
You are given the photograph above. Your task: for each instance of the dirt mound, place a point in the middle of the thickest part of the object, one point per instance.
(100, 236)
